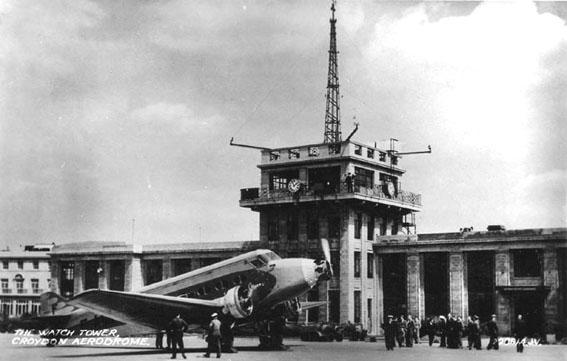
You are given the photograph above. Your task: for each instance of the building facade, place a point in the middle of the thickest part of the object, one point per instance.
(118, 266)
(24, 275)
(506, 273)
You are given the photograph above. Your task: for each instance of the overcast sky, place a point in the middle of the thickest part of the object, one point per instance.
(118, 110)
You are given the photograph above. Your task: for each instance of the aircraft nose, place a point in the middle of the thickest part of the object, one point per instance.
(311, 271)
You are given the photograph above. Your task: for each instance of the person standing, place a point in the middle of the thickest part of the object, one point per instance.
(390, 329)
(214, 336)
(431, 330)
(492, 329)
(520, 333)
(176, 327)
(410, 331)
(349, 179)
(401, 335)
(442, 329)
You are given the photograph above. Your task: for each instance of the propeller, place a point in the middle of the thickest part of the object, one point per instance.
(327, 252)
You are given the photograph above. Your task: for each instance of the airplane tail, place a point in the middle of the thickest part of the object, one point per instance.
(52, 304)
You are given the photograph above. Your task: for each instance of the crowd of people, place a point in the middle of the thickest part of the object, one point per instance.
(448, 331)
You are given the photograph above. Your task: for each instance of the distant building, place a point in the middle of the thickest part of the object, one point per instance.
(24, 275)
(77, 267)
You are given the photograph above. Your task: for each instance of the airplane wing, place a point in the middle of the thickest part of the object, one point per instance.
(153, 311)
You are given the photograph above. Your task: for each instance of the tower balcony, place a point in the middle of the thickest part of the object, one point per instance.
(255, 197)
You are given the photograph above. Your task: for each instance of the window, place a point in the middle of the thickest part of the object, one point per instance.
(279, 180)
(370, 265)
(181, 265)
(528, 262)
(356, 264)
(336, 262)
(363, 177)
(19, 283)
(273, 228)
(357, 225)
(20, 264)
(153, 271)
(35, 307)
(5, 264)
(292, 226)
(7, 307)
(314, 151)
(370, 153)
(370, 228)
(5, 285)
(312, 226)
(394, 160)
(383, 227)
(381, 156)
(357, 306)
(334, 227)
(21, 307)
(334, 149)
(395, 226)
(275, 155)
(294, 153)
(358, 150)
(35, 264)
(313, 313)
(35, 285)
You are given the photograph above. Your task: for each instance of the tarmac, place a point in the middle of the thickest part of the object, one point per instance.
(20, 347)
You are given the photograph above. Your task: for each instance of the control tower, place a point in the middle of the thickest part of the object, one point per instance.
(342, 191)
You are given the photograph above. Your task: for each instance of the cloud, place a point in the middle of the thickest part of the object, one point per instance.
(477, 70)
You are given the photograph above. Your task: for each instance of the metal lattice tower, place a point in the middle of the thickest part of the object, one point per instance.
(332, 114)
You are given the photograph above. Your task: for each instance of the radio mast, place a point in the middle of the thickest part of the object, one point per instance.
(332, 114)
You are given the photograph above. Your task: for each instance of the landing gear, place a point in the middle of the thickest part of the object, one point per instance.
(271, 334)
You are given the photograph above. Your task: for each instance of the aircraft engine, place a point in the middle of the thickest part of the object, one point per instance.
(238, 301)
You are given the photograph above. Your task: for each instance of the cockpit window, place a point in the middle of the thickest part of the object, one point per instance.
(258, 262)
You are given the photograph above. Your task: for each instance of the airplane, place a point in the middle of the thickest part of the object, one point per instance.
(250, 290)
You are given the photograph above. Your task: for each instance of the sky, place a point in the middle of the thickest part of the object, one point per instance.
(116, 116)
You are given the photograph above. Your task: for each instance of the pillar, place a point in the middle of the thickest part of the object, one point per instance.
(502, 278)
(457, 299)
(78, 274)
(551, 280)
(134, 274)
(413, 285)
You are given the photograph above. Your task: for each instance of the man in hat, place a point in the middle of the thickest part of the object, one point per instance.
(176, 327)
(492, 329)
(390, 329)
(214, 336)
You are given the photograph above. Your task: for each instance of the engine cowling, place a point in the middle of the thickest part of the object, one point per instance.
(238, 301)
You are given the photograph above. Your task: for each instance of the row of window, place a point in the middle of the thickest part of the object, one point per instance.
(328, 179)
(334, 227)
(16, 308)
(18, 285)
(19, 264)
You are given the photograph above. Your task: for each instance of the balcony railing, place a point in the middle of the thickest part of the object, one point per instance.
(6, 290)
(376, 191)
(37, 290)
(22, 291)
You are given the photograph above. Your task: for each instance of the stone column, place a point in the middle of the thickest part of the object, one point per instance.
(347, 269)
(502, 278)
(379, 293)
(413, 284)
(457, 299)
(551, 280)
(167, 271)
(134, 271)
(78, 272)
(103, 276)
